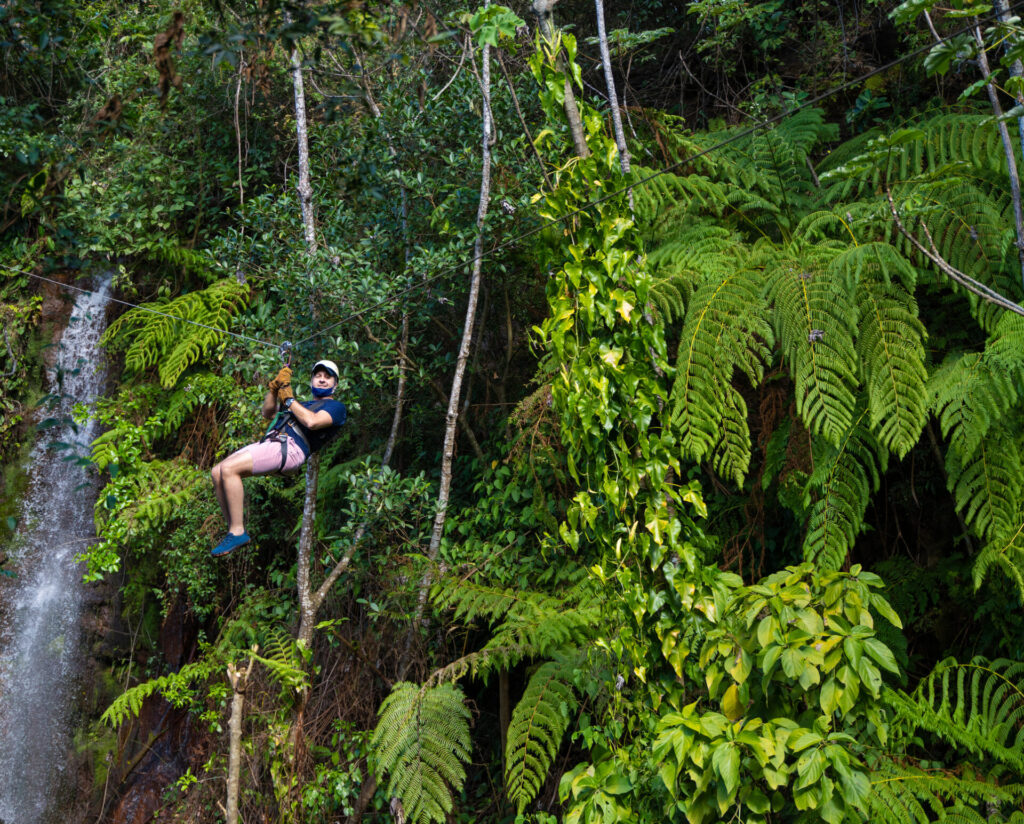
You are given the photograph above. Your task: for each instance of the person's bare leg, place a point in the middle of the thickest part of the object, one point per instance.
(218, 489)
(232, 469)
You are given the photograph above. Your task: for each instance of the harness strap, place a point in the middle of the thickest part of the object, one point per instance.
(276, 433)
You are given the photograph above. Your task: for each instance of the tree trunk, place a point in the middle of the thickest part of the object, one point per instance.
(460, 367)
(238, 679)
(1011, 154)
(305, 188)
(609, 79)
(546, 23)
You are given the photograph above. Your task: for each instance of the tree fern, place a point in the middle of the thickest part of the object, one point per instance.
(526, 624)
(890, 344)
(167, 251)
(968, 397)
(977, 706)
(167, 343)
(421, 744)
(1005, 552)
(535, 733)
(845, 477)
(725, 330)
(986, 484)
(909, 795)
(813, 322)
(129, 703)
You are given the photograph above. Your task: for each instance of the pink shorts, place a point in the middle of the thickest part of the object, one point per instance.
(266, 457)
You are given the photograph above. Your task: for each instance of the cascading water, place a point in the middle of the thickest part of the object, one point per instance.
(41, 609)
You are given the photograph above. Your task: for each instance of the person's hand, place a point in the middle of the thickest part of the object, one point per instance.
(282, 378)
(284, 392)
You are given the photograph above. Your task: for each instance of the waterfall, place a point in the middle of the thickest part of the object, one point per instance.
(41, 608)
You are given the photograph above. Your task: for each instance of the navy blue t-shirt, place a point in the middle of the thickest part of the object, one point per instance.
(317, 438)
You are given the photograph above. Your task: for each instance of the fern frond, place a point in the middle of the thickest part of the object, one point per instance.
(875, 261)
(421, 743)
(891, 349)
(149, 496)
(731, 458)
(1006, 553)
(129, 703)
(725, 331)
(282, 658)
(909, 795)
(986, 484)
(846, 476)
(978, 706)
(527, 624)
(166, 251)
(968, 397)
(535, 733)
(161, 340)
(813, 322)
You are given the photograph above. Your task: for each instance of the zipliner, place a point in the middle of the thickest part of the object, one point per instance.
(299, 430)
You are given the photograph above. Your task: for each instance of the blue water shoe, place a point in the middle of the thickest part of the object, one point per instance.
(229, 544)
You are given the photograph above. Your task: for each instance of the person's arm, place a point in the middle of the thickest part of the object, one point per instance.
(269, 408)
(308, 418)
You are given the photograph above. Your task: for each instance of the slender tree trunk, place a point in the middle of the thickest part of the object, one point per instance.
(1011, 154)
(305, 188)
(307, 610)
(609, 79)
(460, 366)
(546, 23)
(1016, 68)
(238, 679)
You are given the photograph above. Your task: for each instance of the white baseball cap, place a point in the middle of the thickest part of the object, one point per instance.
(329, 365)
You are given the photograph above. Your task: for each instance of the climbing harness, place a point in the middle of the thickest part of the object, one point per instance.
(285, 420)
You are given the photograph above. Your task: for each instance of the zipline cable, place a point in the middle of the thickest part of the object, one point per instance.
(770, 121)
(143, 307)
(670, 168)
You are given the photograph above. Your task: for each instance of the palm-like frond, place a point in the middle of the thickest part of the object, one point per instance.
(725, 330)
(162, 340)
(421, 744)
(978, 706)
(890, 344)
(535, 732)
(845, 476)
(813, 321)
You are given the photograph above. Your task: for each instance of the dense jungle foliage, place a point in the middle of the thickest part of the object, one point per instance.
(712, 511)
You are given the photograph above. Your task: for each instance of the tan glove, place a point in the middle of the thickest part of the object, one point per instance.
(284, 392)
(282, 378)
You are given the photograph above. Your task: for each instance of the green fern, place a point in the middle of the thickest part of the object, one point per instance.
(168, 252)
(535, 732)
(909, 795)
(526, 624)
(165, 342)
(977, 706)
(813, 322)
(725, 330)
(1005, 552)
(846, 476)
(129, 703)
(146, 498)
(282, 658)
(890, 344)
(421, 744)
(986, 484)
